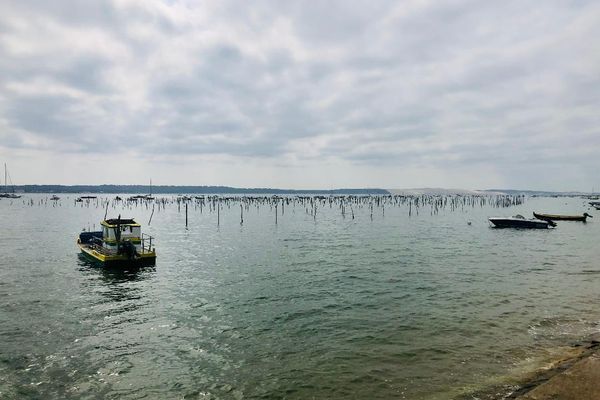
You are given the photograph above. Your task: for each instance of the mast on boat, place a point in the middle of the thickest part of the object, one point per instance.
(6, 194)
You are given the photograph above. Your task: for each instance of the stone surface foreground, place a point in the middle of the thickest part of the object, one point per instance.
(579, 382)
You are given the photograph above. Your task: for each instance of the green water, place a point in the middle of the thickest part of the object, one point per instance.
(420, 307)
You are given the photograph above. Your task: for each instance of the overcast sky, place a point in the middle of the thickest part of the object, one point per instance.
(302, 94)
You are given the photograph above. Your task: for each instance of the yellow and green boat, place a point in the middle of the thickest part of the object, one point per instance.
(120, 242)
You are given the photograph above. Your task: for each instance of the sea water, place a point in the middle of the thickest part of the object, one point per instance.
(426, 306)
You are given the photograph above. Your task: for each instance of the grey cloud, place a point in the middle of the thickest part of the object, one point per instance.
(85, 73)
(59, 121)
(88, 14)
(70, 12)
(51, 115)
(353, 81)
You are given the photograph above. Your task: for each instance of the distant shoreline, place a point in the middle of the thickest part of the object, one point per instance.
(176, 189)
(185, 189)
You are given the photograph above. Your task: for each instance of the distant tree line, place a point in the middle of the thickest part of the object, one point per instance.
(167, 189)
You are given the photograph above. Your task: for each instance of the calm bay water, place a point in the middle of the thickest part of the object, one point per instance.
(426, 307)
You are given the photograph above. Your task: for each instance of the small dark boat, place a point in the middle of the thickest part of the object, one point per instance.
(553, 217)
(141, 197)
(518, 221)
(82, 198)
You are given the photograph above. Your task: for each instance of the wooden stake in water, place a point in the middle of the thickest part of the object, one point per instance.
(150, 220)
(241, 215)
(186, 216)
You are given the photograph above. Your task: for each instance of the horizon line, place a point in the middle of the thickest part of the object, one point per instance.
(31, 188)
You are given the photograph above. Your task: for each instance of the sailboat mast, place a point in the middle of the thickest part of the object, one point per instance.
(5, 180)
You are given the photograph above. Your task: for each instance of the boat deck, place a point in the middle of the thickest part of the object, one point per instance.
(108, 252)
(100, 249)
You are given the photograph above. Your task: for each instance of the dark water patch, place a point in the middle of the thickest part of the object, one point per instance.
(585, 272)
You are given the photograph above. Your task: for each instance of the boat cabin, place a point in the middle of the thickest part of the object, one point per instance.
(118, 229)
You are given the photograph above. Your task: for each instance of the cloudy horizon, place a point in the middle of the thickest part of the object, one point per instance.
(302, 95)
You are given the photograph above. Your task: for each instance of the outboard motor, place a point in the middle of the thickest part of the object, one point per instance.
(129, 250)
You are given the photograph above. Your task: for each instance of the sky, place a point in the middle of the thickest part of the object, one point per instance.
(302, 94)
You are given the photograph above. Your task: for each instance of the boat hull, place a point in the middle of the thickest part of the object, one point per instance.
(519, 223)
(552, 217)
(113, 260)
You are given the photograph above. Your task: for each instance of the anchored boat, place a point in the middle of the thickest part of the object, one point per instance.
(518, 221)
(119, 242)
(6, 194)
(87, 198)
(554, 217)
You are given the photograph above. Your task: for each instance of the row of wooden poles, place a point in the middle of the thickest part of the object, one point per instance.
(310, 204)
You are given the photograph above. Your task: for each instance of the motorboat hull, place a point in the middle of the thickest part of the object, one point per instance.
(519, 223)
(110, 259)
(553, 217)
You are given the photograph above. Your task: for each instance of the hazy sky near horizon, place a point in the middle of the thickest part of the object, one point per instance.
(302, 94)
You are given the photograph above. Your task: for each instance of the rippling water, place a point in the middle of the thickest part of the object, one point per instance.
(426, 307)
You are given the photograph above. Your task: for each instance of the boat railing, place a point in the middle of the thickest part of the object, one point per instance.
(146, 243)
